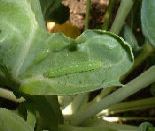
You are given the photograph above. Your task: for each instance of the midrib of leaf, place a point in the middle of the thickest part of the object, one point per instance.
(27, 41)
(24, 51)
(14, 28)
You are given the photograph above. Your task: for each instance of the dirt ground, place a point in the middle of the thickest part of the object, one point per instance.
(78, 10)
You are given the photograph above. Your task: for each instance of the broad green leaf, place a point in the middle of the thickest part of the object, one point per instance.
(47, 108)
(9, 121)
(146, 126)
(147, 20)
(54, 10)
(90, 66)
(35, 6)
(52, 64)
(131, 39)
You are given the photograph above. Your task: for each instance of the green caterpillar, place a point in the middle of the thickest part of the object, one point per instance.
(73, 68)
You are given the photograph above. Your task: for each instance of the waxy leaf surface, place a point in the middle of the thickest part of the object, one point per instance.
(9, 121)
(48, 111)
(40, 63)
(148, 20)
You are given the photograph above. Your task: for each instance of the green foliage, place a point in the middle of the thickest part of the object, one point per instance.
(44, 64)
(36, 8)
(72, 71)
(49, 117)
(10, 121)
(38, 67)
(152, 89)
(72, 128)
(130, 38)
(146, 126)
(147, 20)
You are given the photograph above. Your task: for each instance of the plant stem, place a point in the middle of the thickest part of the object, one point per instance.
(76, 128)
(78, 101)
(130, 88)
(133, 118)
(64, 101)
(99, 122)
(146, 51)
(131, 105)
(123, 11)
(4, 93)
(108, 14)
(104, 93)
(88, 5)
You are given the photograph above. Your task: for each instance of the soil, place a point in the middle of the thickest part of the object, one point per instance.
(78, 10)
